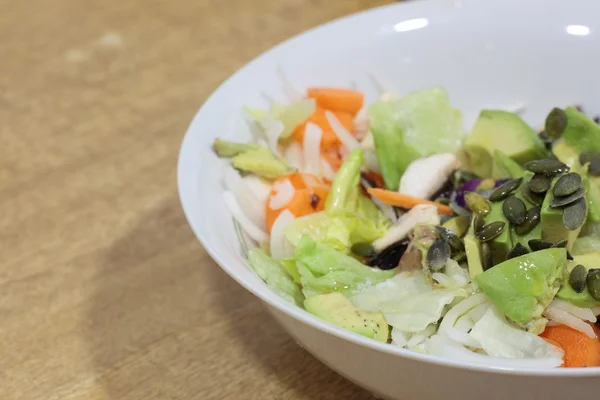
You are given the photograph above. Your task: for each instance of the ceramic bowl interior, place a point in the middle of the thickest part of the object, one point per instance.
(537, 54)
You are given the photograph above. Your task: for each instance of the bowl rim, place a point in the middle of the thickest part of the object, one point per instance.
(187, 187)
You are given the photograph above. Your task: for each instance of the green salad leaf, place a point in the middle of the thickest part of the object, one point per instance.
(275, 276)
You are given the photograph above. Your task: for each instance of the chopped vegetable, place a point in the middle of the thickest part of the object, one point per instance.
(404, 201)
(225, 148)
(334, 99)
(276, 277)
(261, 161)
(319, 118)
(579, 349)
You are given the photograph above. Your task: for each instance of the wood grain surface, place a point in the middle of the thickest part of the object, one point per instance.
(104, 291)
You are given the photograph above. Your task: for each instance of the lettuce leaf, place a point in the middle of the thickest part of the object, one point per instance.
(417, 125)
(275, 276)
(291, 116)
(324, 270)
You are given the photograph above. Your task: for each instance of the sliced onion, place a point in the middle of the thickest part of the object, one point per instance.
(596, 310)
(288, 89)
(280, 247)
(442, 279)
(463, 338)
(251, 205)
(284, 193)
(273, 129)
(585, 314)
(460, 280)
(371, 162)
(558, 315)
(259, 188)
(293, 154)
(444, 347)
(312, 148)
(247, 225)
(361, 125)
(461, 309)
(342, 134)
(400, 338)
(327, 170)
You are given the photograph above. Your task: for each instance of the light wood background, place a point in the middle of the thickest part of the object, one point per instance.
(104, 291)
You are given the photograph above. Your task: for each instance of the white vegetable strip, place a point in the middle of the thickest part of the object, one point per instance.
(294, 156)
(250, 204)
(420, 214)
(327, 170)
(371, 163)
(273, 128)
(425, 176)
(342, 134)
(596, 310)
(312, 147)
(585, 314)
(284, 193)
(462, 338)
(280, 246)
(461, 309)
(441, 278)
(288, 89)
(252, 230)
(258, 187)
(400, 338)
(565, 318)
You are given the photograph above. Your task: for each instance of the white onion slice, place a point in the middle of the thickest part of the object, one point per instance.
(293, 154)
(284, 193)
(280, 246)
(327, 170)
(259, 188)
(312, 148)
(250, 204)
(371, 162)
(558, 315)
(461, 309)
(585, 314)
(252, 230)
(342, 134)
(596, 310)
(463, 338)
(273, 129)
(288, 89)
(442, 278)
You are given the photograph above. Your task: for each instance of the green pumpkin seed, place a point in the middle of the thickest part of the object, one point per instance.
(532, 219)
(539, 184)
(505, 190)
(458, 257)
(569, 256)
(567, 184)
(546, 140)
(514, 210)
(538, 244)
(533, 198)
(490, 231)
(593, 283)
(486, 256)
(577, 278)
(478, 222)
(593, 159)
(566, 200)
(451, 238)
(459, 225)
(517, 251)
(561, 244)
(363, 249)
(556, 122)
(477, 203)
(546, 167)
(575, 215)
(438, 254)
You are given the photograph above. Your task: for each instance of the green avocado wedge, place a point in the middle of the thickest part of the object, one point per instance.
(583, 299)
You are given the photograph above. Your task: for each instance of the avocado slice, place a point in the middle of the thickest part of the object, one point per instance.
(506, 167)
(508, 133)
(337, 309)
(553, 229)
(503, 243)
(583, 299)
(522, 287)
(581, 132)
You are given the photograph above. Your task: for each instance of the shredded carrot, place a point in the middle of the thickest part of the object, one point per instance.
(404, 201)
(580, 350)
(306, 200)
(318, 118)
(336, 99)
(332, 156)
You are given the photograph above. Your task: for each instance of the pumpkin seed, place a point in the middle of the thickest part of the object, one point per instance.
(546, 140)
(546, 167)
(577, 278)
(533, 198)
(458, 257)
(477, 203)
(517, 251)
(538, 244)
(575, 214)
(486, 256)
(592, 158)
(561, 244)
(363, 249)
(566, 200)
(514, 210)
(451, 238)
(556, 122)
(532, 219)
(490, 231)
(539, 184)
(505, 190)
(438, 254)
(567, 184)
(459, 225)
(478, 222)
(593, 283)
(569, 256)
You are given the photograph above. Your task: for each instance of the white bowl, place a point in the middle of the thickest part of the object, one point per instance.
(540, 53)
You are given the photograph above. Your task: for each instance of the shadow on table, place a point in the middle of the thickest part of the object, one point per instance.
(148, 334)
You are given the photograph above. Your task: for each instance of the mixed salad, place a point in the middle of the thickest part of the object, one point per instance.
(394, 222)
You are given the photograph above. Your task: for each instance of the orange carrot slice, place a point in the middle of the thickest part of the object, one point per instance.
(404, 201)
(580, 350)
(329, 138)
(335, 99)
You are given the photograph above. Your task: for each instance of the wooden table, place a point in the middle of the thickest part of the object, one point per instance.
(105, 293)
